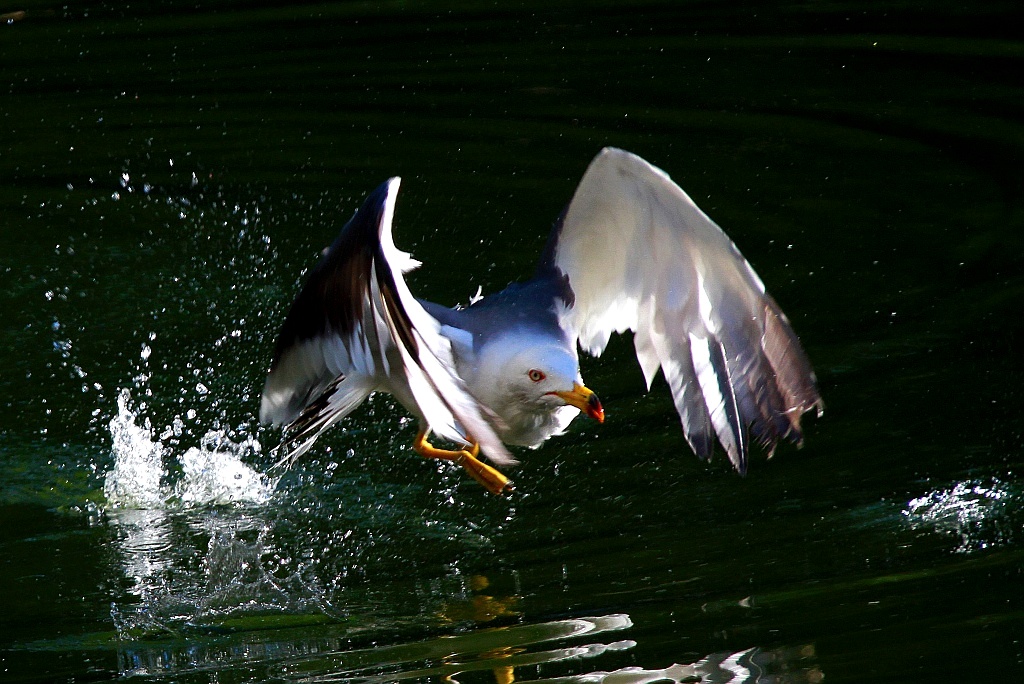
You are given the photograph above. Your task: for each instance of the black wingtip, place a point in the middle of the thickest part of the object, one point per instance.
(375, 203)
(329, 303)
(339, 270)
(366, 221)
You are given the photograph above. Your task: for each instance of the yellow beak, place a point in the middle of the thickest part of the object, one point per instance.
(583, 399)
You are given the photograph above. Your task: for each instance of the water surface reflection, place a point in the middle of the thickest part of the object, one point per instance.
(550, 652)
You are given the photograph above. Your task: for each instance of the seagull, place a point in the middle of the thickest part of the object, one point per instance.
(630, 252)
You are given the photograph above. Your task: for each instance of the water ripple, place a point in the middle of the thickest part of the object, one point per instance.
(506, 654)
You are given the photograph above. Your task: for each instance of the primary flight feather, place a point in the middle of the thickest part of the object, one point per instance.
(631, 252)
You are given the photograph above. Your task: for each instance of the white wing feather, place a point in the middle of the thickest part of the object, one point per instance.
(641, 256)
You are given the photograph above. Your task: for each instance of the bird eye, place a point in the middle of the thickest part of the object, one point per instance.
(536, 375)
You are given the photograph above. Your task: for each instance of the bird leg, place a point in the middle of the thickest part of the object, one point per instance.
(491, 479)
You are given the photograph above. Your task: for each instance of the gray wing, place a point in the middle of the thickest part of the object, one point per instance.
(639, 255)
(355, 328)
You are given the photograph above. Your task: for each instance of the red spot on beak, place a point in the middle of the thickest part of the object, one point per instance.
(583, 399)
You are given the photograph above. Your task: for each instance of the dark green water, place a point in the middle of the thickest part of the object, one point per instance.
(167, 172)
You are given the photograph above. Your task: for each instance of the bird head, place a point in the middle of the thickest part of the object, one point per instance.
(545, 377)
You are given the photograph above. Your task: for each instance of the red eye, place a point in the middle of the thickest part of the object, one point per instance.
(536, 375)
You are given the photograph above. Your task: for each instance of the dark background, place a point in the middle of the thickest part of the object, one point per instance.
(168, 171)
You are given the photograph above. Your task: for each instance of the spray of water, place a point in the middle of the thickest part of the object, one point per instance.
(978, 514)
(146, 475)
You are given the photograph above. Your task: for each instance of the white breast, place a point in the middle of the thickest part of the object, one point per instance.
(533, 428)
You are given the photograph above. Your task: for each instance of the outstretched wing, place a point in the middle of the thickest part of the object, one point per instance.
(639, 255)
(355, 328)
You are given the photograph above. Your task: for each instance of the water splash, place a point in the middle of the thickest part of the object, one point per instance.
(136, 478)
(211, 474)
(977, 513)
(220, 477)
(194, 531)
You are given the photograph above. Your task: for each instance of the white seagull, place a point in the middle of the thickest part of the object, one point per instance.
(631, 252)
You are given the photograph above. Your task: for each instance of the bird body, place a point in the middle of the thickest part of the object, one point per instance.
(631, 252)
(497, 341)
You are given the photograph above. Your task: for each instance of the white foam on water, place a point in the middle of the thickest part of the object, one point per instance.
(213, 473)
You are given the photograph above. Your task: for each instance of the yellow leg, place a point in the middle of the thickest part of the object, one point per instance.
(491, 479)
